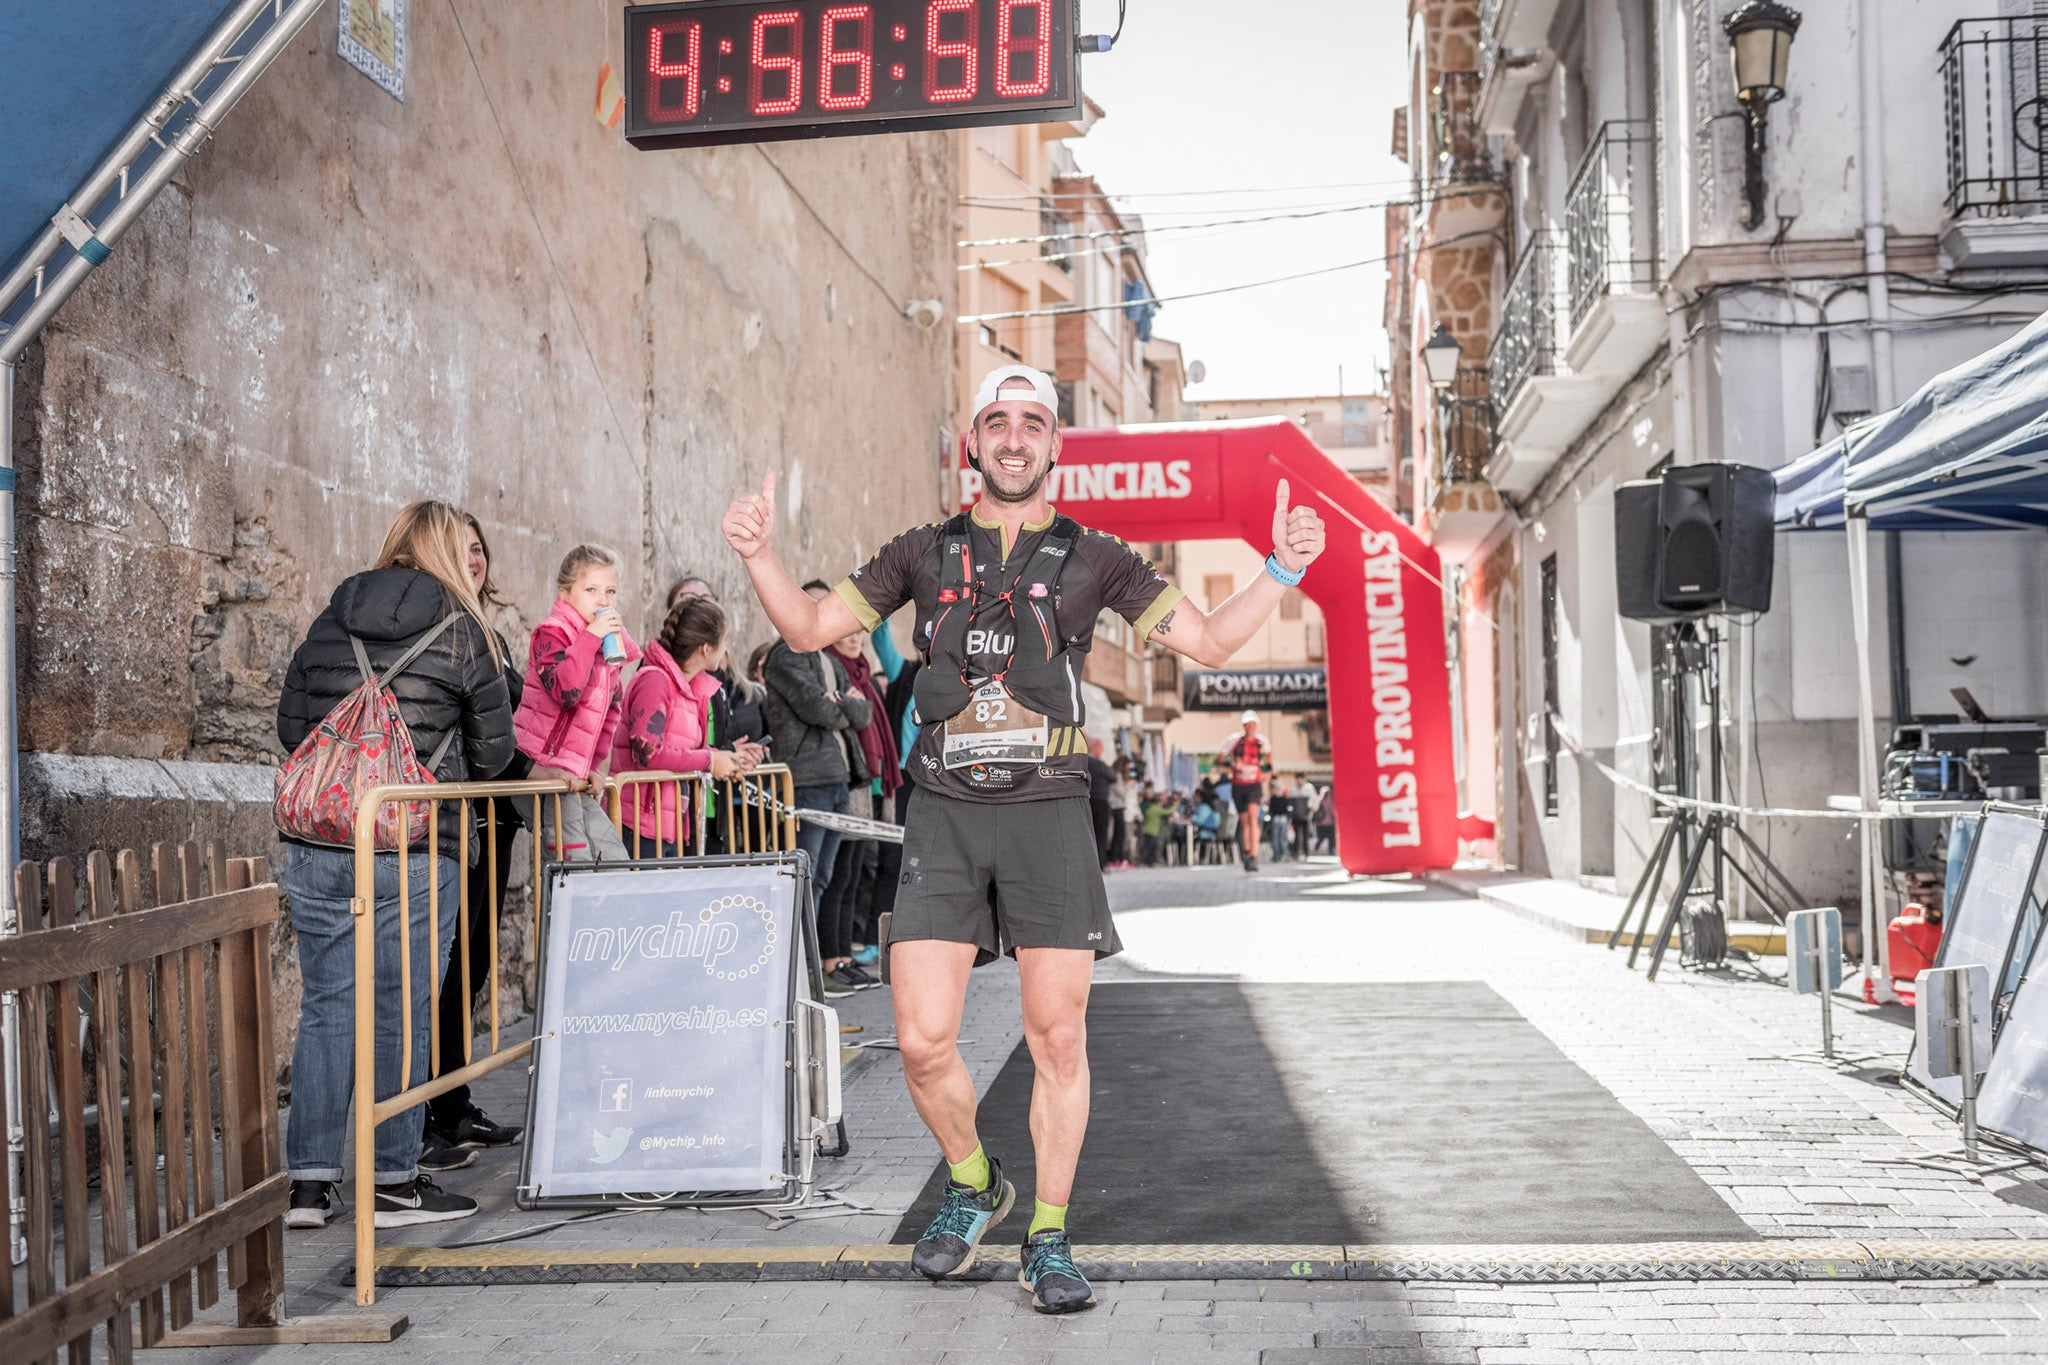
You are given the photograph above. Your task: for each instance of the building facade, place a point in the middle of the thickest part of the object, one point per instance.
(1628, 294)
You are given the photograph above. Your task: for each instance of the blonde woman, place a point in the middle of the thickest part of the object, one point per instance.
(453, 698)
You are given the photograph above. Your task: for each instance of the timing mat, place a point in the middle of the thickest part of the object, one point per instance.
(1382, 1112)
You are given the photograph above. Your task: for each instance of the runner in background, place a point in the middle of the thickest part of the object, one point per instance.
(1247, 758)
(1007, 599)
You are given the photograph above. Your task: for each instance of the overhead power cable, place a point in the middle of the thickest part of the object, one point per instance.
(1148, 231)
(1210, 293)
(1196, 194)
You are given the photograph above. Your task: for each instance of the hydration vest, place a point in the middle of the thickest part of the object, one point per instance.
(1043, 670)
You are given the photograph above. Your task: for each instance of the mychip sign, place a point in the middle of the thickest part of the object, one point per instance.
(662, 1061)
(1260, 689)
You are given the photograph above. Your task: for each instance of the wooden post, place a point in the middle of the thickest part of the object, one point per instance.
(252, 1144)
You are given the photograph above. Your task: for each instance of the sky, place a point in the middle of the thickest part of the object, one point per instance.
(1204, 96)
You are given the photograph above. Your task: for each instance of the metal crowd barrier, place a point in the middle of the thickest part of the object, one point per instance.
(756, 814)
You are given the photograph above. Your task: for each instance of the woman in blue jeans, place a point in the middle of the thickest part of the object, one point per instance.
(452, 695)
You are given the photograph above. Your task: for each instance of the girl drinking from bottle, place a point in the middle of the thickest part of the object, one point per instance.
(667, 728)
(570, 707)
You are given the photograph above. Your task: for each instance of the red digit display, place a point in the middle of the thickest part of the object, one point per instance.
(1036, 45)
(963, 50)
(672, 85)
(832, 88)
(790, 63)
(703, 73)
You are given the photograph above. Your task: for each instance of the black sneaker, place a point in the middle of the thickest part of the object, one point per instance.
(313, 1203)
(419, 1200)
(851, 977)
(437, 1153)
(950, 1244)
(475, 1129)
(1056, 1283)
(835, 988)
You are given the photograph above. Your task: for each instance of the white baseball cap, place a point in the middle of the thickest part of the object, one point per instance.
(1042, 391)
(1249, 718)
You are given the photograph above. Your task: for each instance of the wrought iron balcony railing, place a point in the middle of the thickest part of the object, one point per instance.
(1489, 42)
(1058, 231)
(1994, 76)
(1527, 342)
(1459, 142)
(1610, 216)
(1468, 429)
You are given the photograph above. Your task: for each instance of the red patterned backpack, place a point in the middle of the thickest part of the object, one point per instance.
(361, 745)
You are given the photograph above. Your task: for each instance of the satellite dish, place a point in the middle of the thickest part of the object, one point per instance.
(1197, 372)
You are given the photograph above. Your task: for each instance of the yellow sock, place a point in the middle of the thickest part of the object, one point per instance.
(1047, 1216)
(973, 1172)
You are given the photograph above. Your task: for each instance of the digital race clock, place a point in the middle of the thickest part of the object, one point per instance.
(718, 71)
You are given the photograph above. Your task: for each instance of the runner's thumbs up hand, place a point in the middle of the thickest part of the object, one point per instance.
(1297, 532)
(750, 520)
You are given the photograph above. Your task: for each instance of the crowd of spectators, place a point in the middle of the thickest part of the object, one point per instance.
(1139, 824)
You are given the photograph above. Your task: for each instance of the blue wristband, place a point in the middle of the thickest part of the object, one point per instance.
(1275, 568)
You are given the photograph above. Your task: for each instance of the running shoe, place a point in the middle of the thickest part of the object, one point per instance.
(835, 989)
(437, 1153)
(419, 1200)
(851, 977)
(476, 1129)
(869, 955)
(953, 1240)
(1056, 1283)
(313, 1203)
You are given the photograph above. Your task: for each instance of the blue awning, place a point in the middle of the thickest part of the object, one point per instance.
(1969, 450)
(75, 77)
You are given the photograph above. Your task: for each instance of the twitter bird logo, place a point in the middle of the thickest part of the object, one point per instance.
(610, 1147)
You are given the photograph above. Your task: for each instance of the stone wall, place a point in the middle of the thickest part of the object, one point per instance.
(480, 294)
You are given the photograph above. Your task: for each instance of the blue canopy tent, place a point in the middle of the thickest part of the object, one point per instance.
(103, 101)
(1969, 451)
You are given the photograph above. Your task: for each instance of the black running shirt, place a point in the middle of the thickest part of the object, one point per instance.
(1103, 574)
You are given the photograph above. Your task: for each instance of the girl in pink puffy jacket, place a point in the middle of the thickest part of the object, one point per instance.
(668, 729)
(570, 708)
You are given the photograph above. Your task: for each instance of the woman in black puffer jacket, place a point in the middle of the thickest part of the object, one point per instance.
(455, 688)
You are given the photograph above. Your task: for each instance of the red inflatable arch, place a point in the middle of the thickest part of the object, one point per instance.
(1377, 584)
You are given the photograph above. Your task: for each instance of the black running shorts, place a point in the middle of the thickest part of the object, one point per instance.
(1023, 874)
(1245, 795)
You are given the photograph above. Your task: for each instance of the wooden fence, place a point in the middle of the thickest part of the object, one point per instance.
(145, 1010)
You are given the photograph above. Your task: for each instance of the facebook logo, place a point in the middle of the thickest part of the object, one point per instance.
(614, 1094)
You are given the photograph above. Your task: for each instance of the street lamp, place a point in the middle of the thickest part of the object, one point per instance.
(1760, 35)
(1440, 356)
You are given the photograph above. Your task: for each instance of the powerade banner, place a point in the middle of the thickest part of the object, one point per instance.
(1378, 584)
(1261, 689)
(663, 1043)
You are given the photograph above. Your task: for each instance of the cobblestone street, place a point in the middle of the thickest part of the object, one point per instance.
(1790, 1147)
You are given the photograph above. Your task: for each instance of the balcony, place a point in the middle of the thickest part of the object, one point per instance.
(1463, 509)
(1513, 37)
(1617, 319)
(1460, 144)
(1994, 75)
(1463, 192)
(1539, 406)
(1058, 231)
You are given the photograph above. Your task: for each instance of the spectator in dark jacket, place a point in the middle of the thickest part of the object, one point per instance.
(815, 715)
(455, 688)
(454, 1121)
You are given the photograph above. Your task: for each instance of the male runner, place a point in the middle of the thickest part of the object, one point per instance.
(1248, 758)
(998, 851)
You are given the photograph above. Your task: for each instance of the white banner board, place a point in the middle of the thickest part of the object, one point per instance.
(663, 1044)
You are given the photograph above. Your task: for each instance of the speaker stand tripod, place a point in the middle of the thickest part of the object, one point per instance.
(1694, 650)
